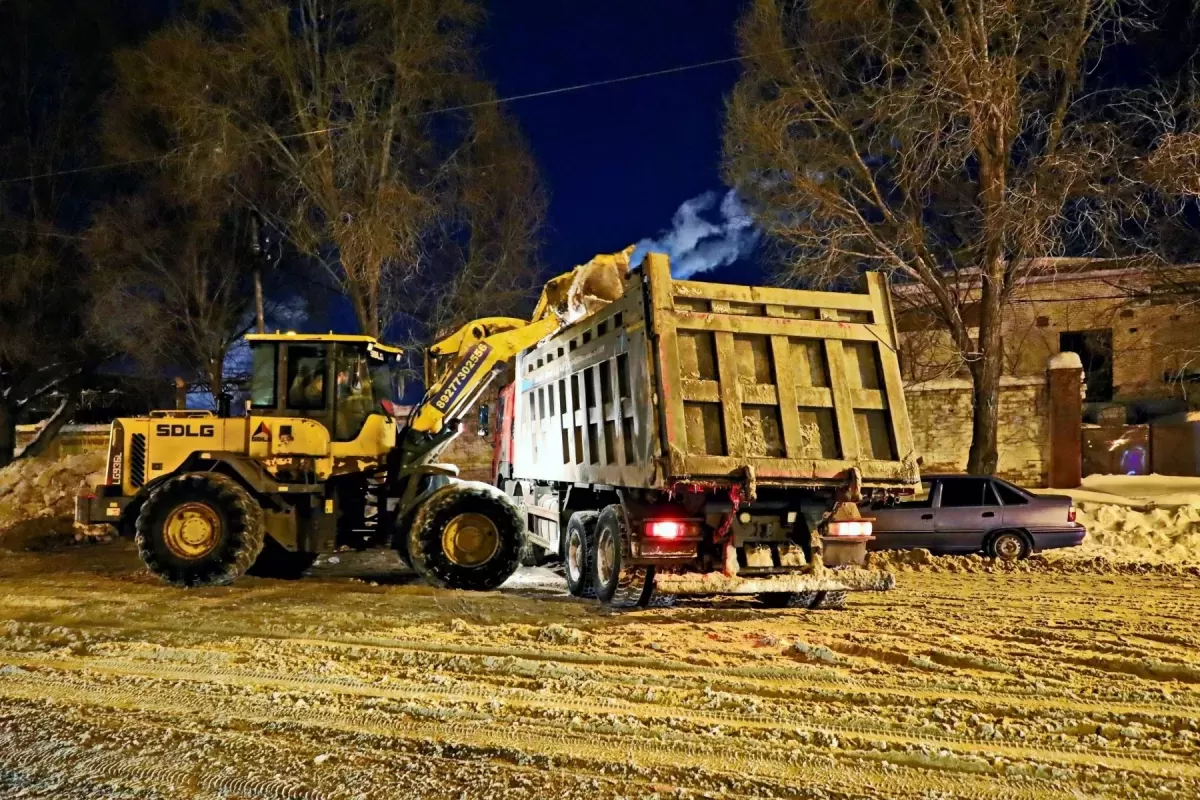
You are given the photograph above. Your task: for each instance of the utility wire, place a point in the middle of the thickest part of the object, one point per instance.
(464, 107)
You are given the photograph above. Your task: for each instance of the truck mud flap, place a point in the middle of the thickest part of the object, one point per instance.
(833, 580)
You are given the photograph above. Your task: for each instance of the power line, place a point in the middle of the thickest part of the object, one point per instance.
(464, 107)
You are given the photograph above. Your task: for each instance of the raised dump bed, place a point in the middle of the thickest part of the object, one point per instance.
(753, 417)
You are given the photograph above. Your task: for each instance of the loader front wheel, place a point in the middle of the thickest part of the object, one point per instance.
(199, 529)
(466, 535)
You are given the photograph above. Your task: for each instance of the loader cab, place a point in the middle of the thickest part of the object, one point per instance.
(337, 380)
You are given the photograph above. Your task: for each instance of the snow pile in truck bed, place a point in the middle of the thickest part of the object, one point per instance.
(37, 501)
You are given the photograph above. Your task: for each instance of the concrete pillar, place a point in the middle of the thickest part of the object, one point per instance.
(1065, 384)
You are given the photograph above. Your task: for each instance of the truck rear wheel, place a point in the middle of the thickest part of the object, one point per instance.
(199, 529)
(578, 550)
(466, 535)
(617, 585)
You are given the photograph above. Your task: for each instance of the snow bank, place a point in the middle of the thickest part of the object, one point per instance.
(1152, 519)
(37, 501)
(1073, 561)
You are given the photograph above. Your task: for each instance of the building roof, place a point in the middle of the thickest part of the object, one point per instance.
(1059, 269)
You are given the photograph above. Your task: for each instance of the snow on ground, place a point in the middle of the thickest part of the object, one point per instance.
(1013, 685)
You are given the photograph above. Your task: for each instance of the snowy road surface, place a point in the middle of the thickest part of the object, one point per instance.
(955, 685)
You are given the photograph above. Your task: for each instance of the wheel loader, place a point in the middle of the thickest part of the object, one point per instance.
(319, 461)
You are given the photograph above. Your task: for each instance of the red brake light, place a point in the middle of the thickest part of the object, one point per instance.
(664, 529)
(1071, 514)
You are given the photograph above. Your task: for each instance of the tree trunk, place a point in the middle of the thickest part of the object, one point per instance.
(216, 378)
(985, 398)
(62, 415)
(986, 366)
(8, 434)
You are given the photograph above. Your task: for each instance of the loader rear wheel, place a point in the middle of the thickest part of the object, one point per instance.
(199, 529)
(466, 535)
(617, 585)
(578, 550)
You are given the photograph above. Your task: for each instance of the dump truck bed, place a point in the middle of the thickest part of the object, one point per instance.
(691, 382)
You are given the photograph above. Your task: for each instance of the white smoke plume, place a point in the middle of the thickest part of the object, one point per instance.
(696, 244)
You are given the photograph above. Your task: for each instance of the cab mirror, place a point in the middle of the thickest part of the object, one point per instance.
(484, 415)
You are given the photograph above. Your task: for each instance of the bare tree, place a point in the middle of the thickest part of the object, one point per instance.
(175, 266)
(46, 107)
(376, 179)
(175, 289)
(954, 144)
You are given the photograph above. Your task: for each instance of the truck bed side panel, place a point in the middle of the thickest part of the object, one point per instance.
(583, 399)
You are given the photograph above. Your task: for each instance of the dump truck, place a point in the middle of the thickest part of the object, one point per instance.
(695, 438)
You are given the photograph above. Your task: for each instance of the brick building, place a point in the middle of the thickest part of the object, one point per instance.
(1137, 334)
(1136, 331)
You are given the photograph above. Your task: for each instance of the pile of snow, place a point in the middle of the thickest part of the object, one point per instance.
(37, 501)
(1071, 561)
(1151, 519)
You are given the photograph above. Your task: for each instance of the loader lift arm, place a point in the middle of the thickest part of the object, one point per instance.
(459, 368)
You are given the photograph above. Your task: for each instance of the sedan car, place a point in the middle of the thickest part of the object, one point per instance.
(976, 514)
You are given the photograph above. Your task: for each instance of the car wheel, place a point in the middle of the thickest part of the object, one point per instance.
(1008, 546)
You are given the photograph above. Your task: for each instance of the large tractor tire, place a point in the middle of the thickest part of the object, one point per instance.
(578, 550)
(199, 529)
(466, 535)
(617, 585)
(276, 561)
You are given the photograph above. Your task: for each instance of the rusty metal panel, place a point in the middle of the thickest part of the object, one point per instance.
(800, 386)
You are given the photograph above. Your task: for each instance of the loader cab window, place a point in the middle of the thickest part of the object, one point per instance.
(264, 362)
(306, 378)
(364, 378)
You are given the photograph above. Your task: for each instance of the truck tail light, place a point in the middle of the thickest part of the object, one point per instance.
(1071, 513)
(847, 528)
(671, 529)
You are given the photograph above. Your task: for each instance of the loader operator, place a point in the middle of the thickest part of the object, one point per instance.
(308, 387)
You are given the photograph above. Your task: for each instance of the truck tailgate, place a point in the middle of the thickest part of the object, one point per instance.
(800, 386)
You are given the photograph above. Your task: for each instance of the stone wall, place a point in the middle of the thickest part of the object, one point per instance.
(941, 423)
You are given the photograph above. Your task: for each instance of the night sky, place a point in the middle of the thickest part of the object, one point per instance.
(617, 160)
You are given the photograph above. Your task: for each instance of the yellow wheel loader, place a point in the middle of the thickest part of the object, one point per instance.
(319, 460)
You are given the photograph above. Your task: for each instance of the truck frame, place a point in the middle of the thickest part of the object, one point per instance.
(702, 438)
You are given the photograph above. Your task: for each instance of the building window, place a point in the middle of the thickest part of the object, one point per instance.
(1043, 322)
(1096, 352)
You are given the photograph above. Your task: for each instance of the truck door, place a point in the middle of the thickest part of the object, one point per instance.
(967, 511)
